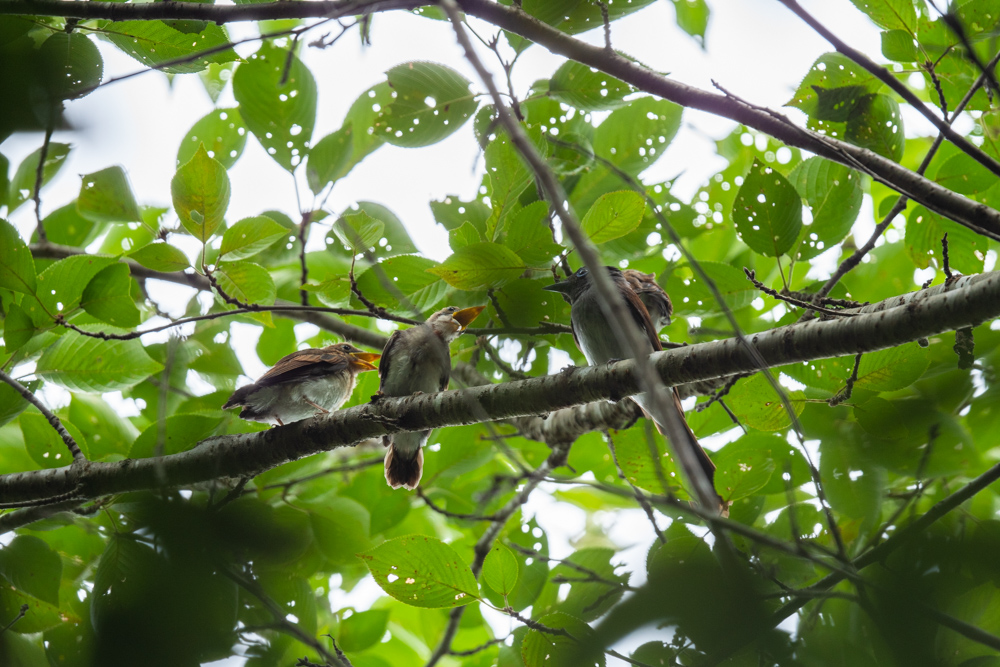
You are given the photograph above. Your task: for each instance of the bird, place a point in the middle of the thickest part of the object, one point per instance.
(599, 344)
(417, 361)
(303, 384)
(654, 297)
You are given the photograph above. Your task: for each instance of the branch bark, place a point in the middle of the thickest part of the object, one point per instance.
(967, 301)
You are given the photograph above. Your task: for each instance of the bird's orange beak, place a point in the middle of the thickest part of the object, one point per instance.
(467, 315)
(362, 360)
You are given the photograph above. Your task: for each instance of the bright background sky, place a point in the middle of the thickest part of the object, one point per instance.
(756, 49)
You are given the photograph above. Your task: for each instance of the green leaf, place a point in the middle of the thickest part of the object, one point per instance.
(508, 176)
(836, 104)
(528, 235)
(180, 433)
(397, 240)
(924, 232)
(248, 282)
(834, 194)
(11, 402)
(542, 649)
(408, 275)
(876, 124)
(742, 468)
(17, 328)
(61, 285)
(65, 226)
(105, 196)
(161, 256)
(767, 211)
(462, 236)
(342, 527)
(277, 96)
(432, 101)
(72, 63)
(329, 158)
(45, 446)
(363, 629)
(22, 186)
(422, 571)
(17, 268)
(32, 567)
(107, 432)
(890, 14)
(962, 174)
(892, 369)
(585, 88)
(757, 405)
(92, 365)
(358, 231)
(277, 341)
(200, 190)
(643, 461)
(108, 297)
(622, 140)
(249, 236)
(155, 43)
(614, 215)
(692, 17)
(500, 569)
(362, 115)
(853, 487)
(223, 134)
(899, 45)
(480, 266)
(830, 71)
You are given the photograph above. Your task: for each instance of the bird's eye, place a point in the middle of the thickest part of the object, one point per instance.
(582, 272)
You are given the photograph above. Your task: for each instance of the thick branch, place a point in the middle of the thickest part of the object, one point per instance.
(967, 301)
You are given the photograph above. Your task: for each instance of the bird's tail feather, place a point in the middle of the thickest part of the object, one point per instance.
(403, 469)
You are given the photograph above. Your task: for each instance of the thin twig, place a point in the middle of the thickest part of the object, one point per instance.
(20, 615)
(845, 393)
(40, 176)
(27, 395)
(454, 515)
(752, 277)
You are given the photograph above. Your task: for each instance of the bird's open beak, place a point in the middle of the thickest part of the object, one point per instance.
(467, 315)
(562, 287)
(362, 360)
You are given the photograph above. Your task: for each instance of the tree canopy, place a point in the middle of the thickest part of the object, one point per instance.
(834, 337)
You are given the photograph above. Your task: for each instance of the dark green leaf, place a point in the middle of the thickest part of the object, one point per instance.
(829, 72)
(962, 174)
(757, 405)
(329, 158)
(277, 96)
(248, 282)
(223, 134)
(528, 235)
(17, 268)
(200, 190)
(541, 649)
(432, 101)
(17, 328)
(155, 43)
(924, 232)
(876, 123)
(65, 226)
(422, 571)
(45, 446)
(107, 432)
(480, 265)
(32, 567)
(73, 64)
(22, 186)
(362, 629)
(180, 433)
(767, 211)
(108, 297)
(742, 469)
(341, 527)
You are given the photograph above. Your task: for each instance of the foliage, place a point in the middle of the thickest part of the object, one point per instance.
(191, 573)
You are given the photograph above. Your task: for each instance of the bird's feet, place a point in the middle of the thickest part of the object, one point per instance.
(377, 396)
(612, 361)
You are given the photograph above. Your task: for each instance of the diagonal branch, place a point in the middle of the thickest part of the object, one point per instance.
(25, 393)
(966, 301)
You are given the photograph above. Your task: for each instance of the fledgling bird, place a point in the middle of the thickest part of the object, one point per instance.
(303, 384)
(654, 297)
(417, 360)
(596, 339)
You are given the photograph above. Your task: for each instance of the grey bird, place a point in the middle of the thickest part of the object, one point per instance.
(654, 297)
(417, 361)
(596, 339)
(303, 384)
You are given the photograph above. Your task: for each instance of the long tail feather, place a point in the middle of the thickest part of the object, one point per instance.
(403, 470)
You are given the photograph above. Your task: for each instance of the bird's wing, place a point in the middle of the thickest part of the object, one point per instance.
(387, 352)
(641, 316)
(305, 363)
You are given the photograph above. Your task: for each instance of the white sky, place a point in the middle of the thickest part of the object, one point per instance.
(756, 49)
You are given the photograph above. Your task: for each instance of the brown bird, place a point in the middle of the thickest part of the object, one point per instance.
(596, 339)
(417, 361)
(303, 384)
(654, 297)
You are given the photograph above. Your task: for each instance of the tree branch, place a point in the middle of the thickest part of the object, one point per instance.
(26, 394)
(966, 301)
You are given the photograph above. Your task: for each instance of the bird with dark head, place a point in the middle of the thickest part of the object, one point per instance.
(654, 297)
(417, 361)
(599, 344)
(303, 384)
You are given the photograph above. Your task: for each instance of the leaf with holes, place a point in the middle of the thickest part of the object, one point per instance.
(61, 285)
(877, 124)
(890, 14)
(156, 43)
(200, 190)
(277, 96)
(223, 134)
(17, 268)
(92, 365)
(757, 405)
(432, 101)
(421, 571)
(548, 649)
(585, 88)
(108, 297)
(358, 231)
(924, 233)
(614, 215)
(500, 569)
(830, 71)
(45, 446)
(22, 186)
(106, 196)
(834, 194)
(767, 211)
(73, 64)
(742, 468)
(480, 266)
(249, 236)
